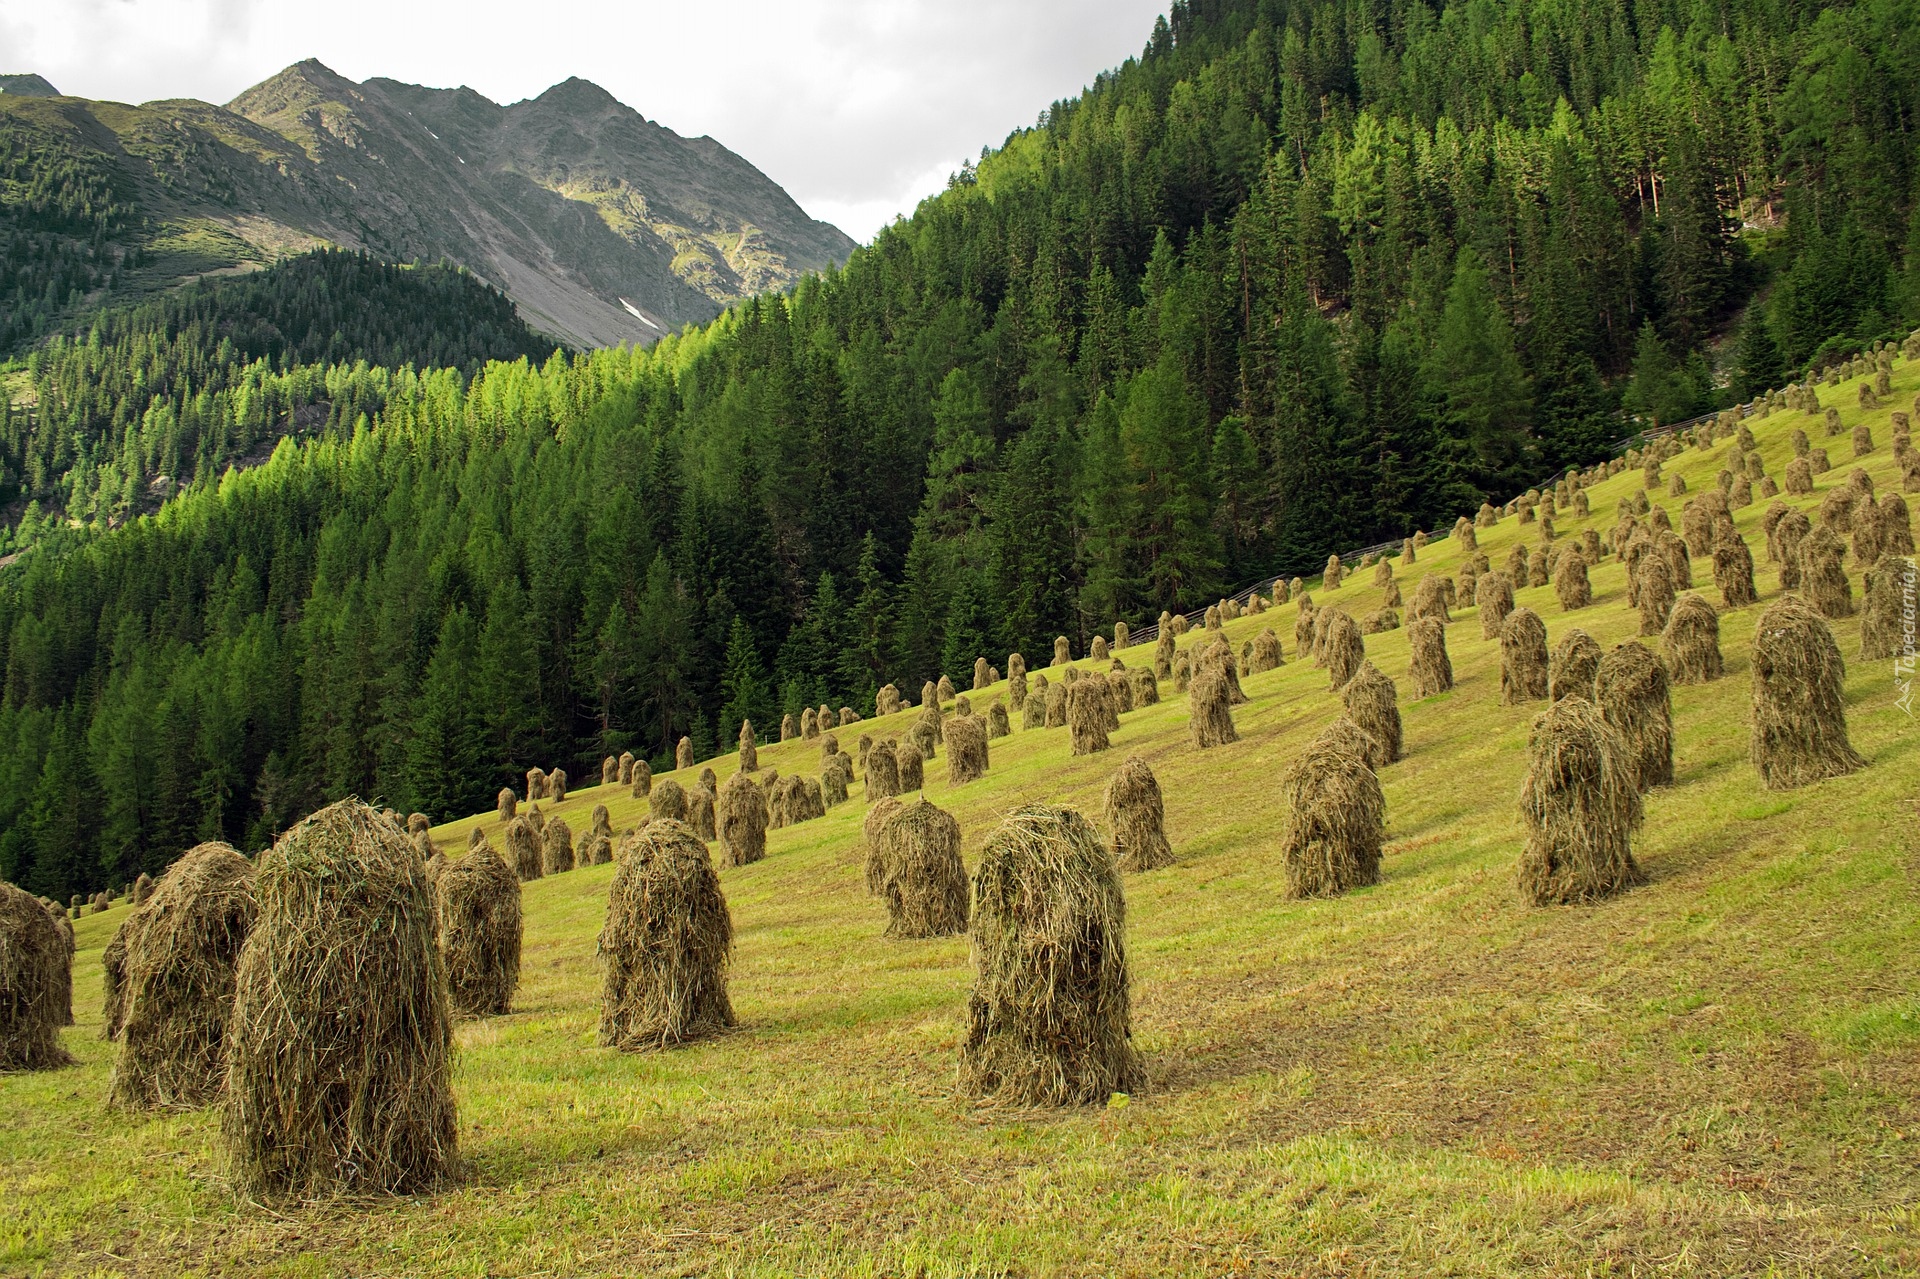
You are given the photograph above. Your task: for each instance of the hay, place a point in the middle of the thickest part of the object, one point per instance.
(1696, 526)
(175, 989)
(1062, 651)
(1342, 649)
(749, 749)
(1885, 599)
(1862, 436)
(1430, 669)
(887, 700)
(1136, 815)
(1691, 644)
(1800, 715)
(1373, 703)
(1122, 635)
(1632, 690)
(1089, 714)
(609, 771)
(1822, 578)
(557, 785)
(113, 976)
(914, 863)
(877, 817)
(1034, 713)
(998, 724)
(1575, 661)
(966, 750)
(556, 847)
(1265, 655)
(1656, 593)
(702, 819)
(1517, 564)
(1334, 821)
(1791, 529)
(479, 933)
(1673, 548)
(1429, 601)
(1056, 702)
(683, 754)
(1119, 697)
(667, 941)
(743, 817)
(980, 674)
(1209, 710)
(536, 785)
(911, 762)
(1048, 1019)
(1580, 807)
(339, 1049)
(1523, 658)
(1217, 655)
(1098, 651)
(1570, 581)
(1493, 594)
(836, 776)
(523, 848)
(943, 691)
(668, 802)
(36, 984)
(1896, 526)
(883, 772)
(641, 778)
(1334, 574)
(625, 776)
(1379, 621)
(1866, 531)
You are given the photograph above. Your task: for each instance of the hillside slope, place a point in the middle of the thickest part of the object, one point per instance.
(602, 226)
(1713, 1074)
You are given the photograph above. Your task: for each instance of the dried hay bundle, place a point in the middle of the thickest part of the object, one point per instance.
(683, 754)
(523, 848)
(1342, 649)
(1265, 654)
(943, 691)
(914, 863)
(1136, 815)
(536, 785)
(887, 700)
(1057, 706)
(1862, 436)
(1571, 584)
(1896, 526)
(479, 933)
(1034, 713)
(142, 889)
(1049, 1020)
(1575, 662)
(1210, 713)
(1821, 576)
(1800, 713)
(1089, 716)
(1431, 669)
(966, 750)
(1696, 526)
(557, 785)
(999, 726)
(1429, 601)
(1119, 697)
(1062, 651)
(625, 775)
(113, 976)
(1673, 548)
(1692, 641)
(1580, 806)
(1383, 571)
(666, 944)
(505, 805)
(743, 818)
(1334, 573)
(1523, 658)
(1335, 817)
(981, 671)
(1632, 690)
(175, 989)
(1656, 593)
(642, 778)
(883, 772)
(876, 819)
(1733, 571)
(1217, 655)
(668, 802)
(908, 758)
(702, 818)
(340, 1044)
(1493, 593)
(1373, 704)
(1098, 651)
(556, 847)
(36, 984)
(1882, 630)
(749, 748)
(1792, 529)
(1866, 531)
(609, 771)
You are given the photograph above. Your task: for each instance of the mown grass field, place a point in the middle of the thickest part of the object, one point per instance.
(1715, 1074)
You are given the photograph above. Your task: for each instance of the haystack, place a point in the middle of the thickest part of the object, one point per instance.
(743, 817)
(1430, 668)
(625, 775)
(1575, 661)
(749, 749)
(1048, 1020)
(1885, 599)
(1822, 578)
(1429, 600)
(1088, 713)
(683, 754)
(557, 785)
(1034, 713)
(998, 724)
(609, 771)
(943, 691)
(1373, 704)
(1494, 596)
(1265, 654)
(1210, 714)
(883, 772)
(666, 945)
(479, 933)
(339, 1049)
(1580, 807)
(914, 863)
(967, 750)
(1062, 651)
(536, 785)
(556, 847)
(113, 976)
(1342, 649)
(641, 778)
(1656, 592)
(523, 848)
(911, 762)
(1691, 644)
(1788, 532)
(1136, 815)
(1523, 658)
(1122, 635)
(1799, 722)
(1896, 526)
(668, 802)
(887, 700)
(142, 891)
(36, 984)
(1632, 690)
(1334, 821)
(1570, 581)
(702, 817)
(877, 817)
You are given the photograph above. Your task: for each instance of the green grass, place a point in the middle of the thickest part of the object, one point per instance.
(1713, 1074)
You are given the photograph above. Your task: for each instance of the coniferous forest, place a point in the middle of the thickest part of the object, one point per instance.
(1303, 276)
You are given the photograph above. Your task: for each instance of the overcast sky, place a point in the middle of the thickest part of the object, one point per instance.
(859, 108)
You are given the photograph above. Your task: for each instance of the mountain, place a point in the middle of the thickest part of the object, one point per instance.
(27, 86)
(602, 226)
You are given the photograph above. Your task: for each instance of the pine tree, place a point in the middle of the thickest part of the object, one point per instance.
(1477, 377)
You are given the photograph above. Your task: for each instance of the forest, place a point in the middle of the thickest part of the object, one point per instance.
(1301, 277)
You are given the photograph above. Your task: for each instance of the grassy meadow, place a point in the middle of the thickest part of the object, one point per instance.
(1715, 1074)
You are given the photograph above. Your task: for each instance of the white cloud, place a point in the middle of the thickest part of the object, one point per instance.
(858, 107)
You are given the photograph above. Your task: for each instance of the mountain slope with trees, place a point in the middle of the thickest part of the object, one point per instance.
(1302, 277)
